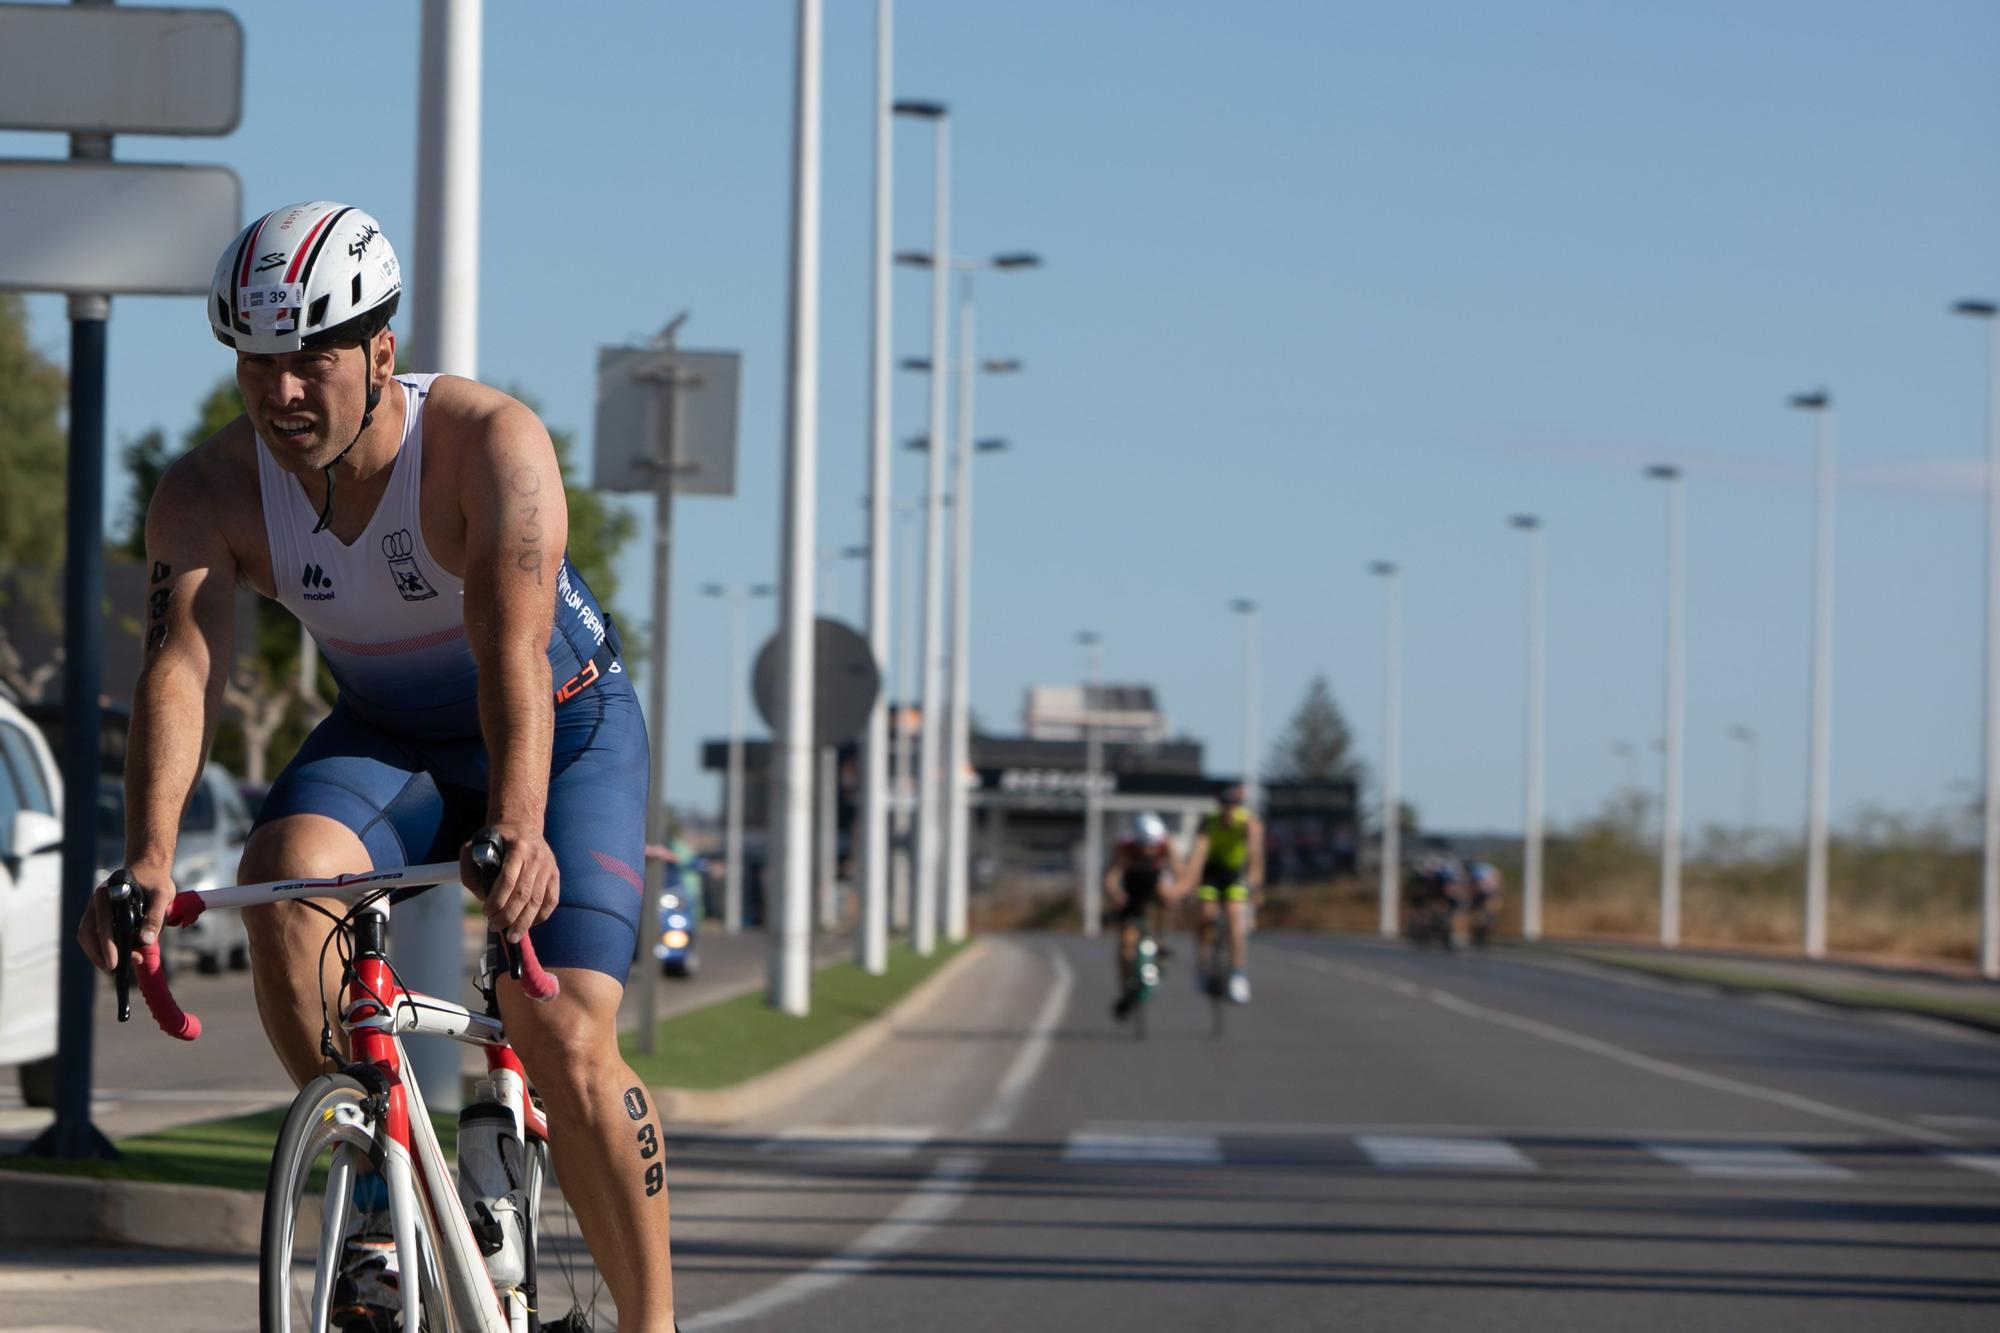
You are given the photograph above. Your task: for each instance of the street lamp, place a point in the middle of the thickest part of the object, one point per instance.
(788, 982)
(1091, 891)
(929, 826)
(1247, 608)
(1531, 841)
(732, 838)
(957, 849)
(1748, 736)
(1670, 783)
(1820, 404)
(873, 834)
(1989, 865)
(1392, 745)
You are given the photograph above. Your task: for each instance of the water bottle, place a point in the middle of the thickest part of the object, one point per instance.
(490, 1185)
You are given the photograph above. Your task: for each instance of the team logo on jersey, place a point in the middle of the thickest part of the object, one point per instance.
(318, 587)
(410, 581)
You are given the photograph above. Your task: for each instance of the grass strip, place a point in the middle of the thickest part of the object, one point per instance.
(1871, 997)
(732, 1040)
(231, 1154)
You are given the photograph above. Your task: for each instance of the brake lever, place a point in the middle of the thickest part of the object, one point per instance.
(127, 904)
(486, 851)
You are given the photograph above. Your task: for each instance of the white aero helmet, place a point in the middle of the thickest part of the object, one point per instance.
(304, 276)
(1148, 829)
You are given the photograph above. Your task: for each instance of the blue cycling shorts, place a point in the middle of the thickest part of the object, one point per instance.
(414, 801)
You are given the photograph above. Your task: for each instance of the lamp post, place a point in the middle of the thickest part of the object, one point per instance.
(1531, 828)
(1670, 783)
(732, 837)
(873, 840)
(929, 824)
(902, 873)
(1245, 607)
(1989, 865)
(956, 859)
(1092, 887)
(1820, 404)
(788, 982)
(1748, 737)
(1392, 745)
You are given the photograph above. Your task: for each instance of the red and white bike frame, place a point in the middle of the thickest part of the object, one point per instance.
(375, 1012)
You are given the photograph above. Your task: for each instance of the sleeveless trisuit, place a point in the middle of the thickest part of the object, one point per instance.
(400, 761)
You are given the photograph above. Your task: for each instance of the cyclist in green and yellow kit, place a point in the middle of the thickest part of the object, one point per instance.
(1228, 858)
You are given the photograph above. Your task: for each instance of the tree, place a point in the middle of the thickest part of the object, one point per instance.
(34, 458)
(1316, 745)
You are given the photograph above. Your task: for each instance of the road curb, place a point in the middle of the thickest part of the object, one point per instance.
(755, 1096)
(66, 1210)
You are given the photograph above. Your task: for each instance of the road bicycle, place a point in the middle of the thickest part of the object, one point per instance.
(1142, 977)
(474, 1234)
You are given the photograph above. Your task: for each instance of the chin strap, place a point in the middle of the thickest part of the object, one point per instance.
(367, 415)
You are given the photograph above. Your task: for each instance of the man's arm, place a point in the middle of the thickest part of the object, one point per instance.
(1197, 858)
(516, 527)
(189, 629)
(1254, 872)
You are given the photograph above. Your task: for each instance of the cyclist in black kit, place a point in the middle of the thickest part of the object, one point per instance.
(1142, 876)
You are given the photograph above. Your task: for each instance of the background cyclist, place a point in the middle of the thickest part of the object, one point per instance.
(1143, 876)
(1229, 854)
(416, 526)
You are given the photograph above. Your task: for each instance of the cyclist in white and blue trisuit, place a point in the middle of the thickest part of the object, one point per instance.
(416, 525)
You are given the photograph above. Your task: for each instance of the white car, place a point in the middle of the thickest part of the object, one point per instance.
(31, 833)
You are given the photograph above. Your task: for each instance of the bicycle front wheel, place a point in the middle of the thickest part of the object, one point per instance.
(307, 1272)
(564, 1284)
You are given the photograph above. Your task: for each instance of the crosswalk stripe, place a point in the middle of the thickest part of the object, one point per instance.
(850, 1140)
(1746, 1162)
(1976, 1161)
(1404, 1152)
(1187, 1149)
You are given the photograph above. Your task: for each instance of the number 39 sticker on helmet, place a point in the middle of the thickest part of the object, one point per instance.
(307, 275)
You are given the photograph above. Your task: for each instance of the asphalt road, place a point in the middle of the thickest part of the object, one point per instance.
(1383, 1140)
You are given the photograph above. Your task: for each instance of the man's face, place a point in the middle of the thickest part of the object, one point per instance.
(307, 406)
(1232, 797)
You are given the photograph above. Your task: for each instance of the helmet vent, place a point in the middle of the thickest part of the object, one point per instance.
(316, 315)
(354, 291)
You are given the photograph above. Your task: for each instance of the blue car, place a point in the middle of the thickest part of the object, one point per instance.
(681, 905)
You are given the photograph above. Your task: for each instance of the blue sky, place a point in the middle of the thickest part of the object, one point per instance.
(1325, 283)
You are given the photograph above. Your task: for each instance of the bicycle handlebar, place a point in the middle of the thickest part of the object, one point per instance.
(487, 851)
(128, 910)
(141, 962)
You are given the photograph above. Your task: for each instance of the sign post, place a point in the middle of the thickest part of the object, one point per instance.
(666, 422)
(93, 70)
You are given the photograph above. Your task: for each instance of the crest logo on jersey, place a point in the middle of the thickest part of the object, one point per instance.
(410, 582)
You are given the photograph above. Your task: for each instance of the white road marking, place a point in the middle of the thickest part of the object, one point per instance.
(933, 1200)
(1302, 1129)
(850, 1140)
(1975, 1161)
(1612, 1051)
(1958, 1121)
(1400, 1152)
(1188, 1149)
(1745, 1162)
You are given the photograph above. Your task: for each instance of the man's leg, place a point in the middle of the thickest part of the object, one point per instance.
(604, 1134)
(1204, 932)
(295, 976)
(1239, 921)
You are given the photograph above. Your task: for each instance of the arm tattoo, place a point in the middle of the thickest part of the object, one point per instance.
(528, 554)
(156, 636)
